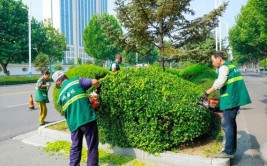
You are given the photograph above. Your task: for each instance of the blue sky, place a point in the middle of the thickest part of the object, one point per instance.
(199, 6)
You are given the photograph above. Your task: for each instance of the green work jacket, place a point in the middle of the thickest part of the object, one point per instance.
(234, 92)
(75, 104)
(41, 94)
(117, 66)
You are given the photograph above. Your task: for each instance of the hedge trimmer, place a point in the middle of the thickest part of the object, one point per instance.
(211, 104)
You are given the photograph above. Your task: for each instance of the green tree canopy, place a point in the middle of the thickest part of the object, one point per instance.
(14, 43)
(13, 32)
(249, 36)
(97, 45)
(55, 44)
(41, 62)
(149, 23)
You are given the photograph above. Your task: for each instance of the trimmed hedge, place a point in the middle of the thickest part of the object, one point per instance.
(13, 80)
(193, 71)
(200, 75)
(149, 109)
(174, 71)
(85, 71)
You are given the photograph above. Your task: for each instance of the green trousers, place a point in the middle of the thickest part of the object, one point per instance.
(42, 112)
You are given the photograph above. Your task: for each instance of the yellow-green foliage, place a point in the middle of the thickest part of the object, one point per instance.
(63, 147)
(151, 110)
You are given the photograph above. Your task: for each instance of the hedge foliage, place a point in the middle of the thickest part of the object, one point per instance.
(85, 71)
(13, 80)
(150, 109)
(199, 74)
(193, 71)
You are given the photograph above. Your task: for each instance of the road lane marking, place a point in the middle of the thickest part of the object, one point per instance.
(16, 105)
(10, 106)
(16, 93)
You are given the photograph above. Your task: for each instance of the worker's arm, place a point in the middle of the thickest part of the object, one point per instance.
(220, 81)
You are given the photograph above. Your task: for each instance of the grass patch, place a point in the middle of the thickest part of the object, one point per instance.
(106, 158)
(206, 145)
(61, 126)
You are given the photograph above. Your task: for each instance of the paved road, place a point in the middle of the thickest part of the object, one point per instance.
(251, 122)
(15, 116)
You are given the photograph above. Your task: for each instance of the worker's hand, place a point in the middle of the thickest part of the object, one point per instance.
(204, 96)
(48, 84)
(98, 90)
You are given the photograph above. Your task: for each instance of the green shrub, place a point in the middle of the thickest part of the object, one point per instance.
(86, 71)
(12, 80)
(193, 71)
(150, 109)
(174, 71)
(24, 69)
(205, 79)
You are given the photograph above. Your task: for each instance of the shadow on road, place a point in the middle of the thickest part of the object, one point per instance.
(252, 74)
(247, 144)
(264, 100)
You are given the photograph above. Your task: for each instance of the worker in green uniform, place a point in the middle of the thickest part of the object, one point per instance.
(115, 66)
(41, 96)
(233, 94)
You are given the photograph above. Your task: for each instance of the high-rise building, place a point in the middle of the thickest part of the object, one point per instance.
(71, 17)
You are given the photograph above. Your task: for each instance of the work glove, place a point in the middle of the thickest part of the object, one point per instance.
(98, 90)
(48, 84)
(204, 96)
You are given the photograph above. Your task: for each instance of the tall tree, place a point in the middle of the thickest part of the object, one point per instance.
(41, 62)
(149, 23)
(13, 32)
(55, 45)
(249, 36)
(97, 45)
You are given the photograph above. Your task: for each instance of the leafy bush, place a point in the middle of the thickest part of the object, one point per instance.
(174, 71)
(12, 80)
(24, 69)
(150, 109)
(200, 75)
(193, 71)
(205, 79)
(86, 71)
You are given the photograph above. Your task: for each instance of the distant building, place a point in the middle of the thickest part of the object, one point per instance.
(71, 17)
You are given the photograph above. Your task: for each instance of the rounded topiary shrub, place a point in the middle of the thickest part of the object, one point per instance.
(193, 71)
(150, 109)
(85, 71)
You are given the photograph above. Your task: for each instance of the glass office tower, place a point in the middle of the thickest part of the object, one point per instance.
(71, 17)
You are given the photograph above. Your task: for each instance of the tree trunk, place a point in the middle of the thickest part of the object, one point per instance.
(4, 66)
(161, 45)
(162, 62)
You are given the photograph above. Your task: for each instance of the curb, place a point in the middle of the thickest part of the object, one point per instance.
(167, 158)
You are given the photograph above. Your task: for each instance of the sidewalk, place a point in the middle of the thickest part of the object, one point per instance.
(43, 135)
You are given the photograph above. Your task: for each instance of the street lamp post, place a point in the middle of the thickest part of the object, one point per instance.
(227, 41)
(30, 51)
(216, 29)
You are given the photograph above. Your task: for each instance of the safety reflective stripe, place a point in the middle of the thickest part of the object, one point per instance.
(224, 95)
(231, 66)
(71, 100)
(234, 80)
(66, 87)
